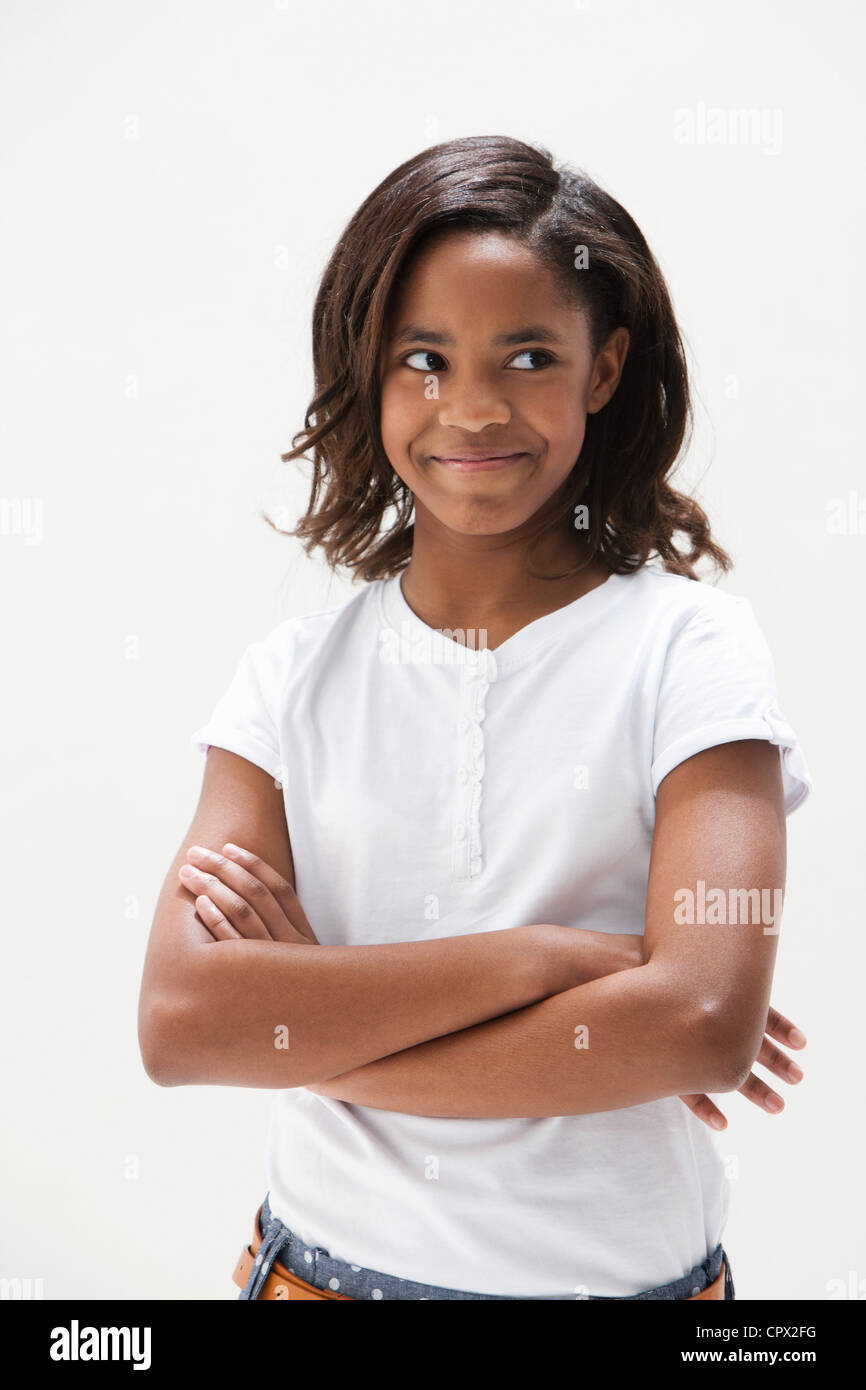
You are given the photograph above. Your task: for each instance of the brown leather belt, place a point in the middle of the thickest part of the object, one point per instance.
(280, 1283)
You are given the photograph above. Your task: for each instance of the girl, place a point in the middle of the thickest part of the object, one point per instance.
(534, 774)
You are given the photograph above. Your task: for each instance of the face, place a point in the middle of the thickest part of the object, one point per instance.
(487, 379)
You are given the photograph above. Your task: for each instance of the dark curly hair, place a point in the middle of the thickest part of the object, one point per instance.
(630, 446)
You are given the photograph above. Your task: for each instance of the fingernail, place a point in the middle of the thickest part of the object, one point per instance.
(775, 1103)
(717, 1122)
(795, 1072)
(797, 1038)
(187, 871)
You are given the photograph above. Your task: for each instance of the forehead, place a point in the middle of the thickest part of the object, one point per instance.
(463, 275)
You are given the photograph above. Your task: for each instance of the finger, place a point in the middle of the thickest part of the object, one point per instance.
(219, 928)
(705, 1110)
(247, 889)
(279, 887)
(233, 907)
(783, 1030)
(760, 1094)
(779, 1063)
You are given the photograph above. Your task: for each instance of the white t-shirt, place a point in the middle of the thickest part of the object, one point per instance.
(430, 791)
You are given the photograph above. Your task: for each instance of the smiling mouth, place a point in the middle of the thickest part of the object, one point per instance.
(469, 463)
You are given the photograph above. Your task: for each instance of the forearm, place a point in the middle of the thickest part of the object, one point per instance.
(621, 1040)
(274, 1014)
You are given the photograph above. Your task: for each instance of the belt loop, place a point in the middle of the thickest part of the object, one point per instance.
(273, 1240)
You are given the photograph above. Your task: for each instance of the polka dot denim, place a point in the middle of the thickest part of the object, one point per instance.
(313, 1264)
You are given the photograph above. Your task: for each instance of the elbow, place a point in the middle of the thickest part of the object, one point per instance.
(162, 1044)
(727, 1072)
(731, 1049)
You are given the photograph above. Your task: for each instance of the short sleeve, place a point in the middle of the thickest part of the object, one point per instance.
(244, 720)
(719, 685)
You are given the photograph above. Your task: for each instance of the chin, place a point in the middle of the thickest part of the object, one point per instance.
(483, 521)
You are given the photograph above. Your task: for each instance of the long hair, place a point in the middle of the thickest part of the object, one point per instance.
(630, 445)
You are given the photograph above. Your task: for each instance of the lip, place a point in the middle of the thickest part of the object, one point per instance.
(474, 463)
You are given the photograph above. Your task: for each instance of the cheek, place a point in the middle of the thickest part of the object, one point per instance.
(557, 413)
(395, 424)
(561, 420)
(404, 412)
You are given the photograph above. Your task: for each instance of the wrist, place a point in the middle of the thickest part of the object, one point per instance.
(572, 956)
(556, 958)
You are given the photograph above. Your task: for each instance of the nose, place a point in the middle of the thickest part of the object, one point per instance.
(470, 401)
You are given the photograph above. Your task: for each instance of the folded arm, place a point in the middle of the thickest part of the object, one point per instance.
(273, 1013)
(691, 1019)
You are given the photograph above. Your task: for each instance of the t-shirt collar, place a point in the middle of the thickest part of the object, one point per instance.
(527, 642)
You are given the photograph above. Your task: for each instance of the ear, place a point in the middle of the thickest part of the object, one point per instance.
(607, 370)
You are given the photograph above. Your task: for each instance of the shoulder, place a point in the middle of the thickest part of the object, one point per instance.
(672, 611)
(310, 638)
(675, 600)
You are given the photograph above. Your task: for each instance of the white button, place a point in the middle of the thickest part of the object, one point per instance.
(461, 831)
(463, 725)
(462, 774)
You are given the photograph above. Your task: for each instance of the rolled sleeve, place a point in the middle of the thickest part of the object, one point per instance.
(718, 686)
(243, 720)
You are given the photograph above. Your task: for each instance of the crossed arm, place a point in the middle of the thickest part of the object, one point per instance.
(683, 1014)
(688, 1017)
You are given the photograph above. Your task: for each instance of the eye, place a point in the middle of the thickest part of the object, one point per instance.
(422, 352)
(535, 352)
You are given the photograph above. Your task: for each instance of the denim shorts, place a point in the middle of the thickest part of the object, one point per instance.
(313, 1264)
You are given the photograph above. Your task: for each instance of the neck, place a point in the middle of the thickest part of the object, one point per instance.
(454, 579)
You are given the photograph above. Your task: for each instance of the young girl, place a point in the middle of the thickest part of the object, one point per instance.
(534, 775)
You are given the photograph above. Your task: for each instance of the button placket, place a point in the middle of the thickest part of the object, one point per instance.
(477, 673)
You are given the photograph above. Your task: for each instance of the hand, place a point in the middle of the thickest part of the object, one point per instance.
(753, 1089)
(240, 896)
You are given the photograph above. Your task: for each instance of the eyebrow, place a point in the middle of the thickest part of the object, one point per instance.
(529, 332)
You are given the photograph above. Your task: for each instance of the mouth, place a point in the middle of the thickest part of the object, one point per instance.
(476, 463)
